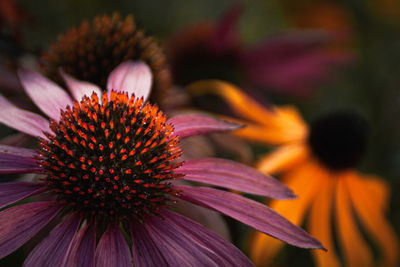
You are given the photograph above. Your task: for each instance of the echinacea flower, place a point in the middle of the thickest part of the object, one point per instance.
(318, 163)
(92, 50)
(109, 166)
(288, 63)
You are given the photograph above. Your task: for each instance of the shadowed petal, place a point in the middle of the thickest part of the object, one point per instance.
(210, 219)
(177, 248)
(195, 124)
(233, 175)
(78, 88)
(15, 191)
(20, 223)
(134, 77)
(54, 248)
(231, 255)
(112, 249)
(250, 212)
(82, 249)
(17, 160)
(144, 249)
(22, 120)
(47, 95)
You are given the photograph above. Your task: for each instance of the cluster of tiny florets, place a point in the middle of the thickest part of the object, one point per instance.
(112, 158)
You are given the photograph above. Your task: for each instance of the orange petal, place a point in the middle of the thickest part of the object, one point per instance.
(304, 182)
(241, 103)
(355, 249)
(283, 158)
(379, 189)
(373, 219)
(320, 221)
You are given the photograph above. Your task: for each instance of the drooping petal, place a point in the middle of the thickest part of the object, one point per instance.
(250, 212)
(373, 219)
(231, 255)
(195, 124)
(47, 95)
(20, 223)
(134, 77)
(81, 253)
(350, 236)
(320, 222)
(234, 175)
(79, 88)
(54, 248)
(112, 249)
(282, 158)
(305, 183)
(22, 120)
(15, 191)
(176, 248)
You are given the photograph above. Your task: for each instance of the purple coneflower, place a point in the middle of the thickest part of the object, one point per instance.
(108, 165)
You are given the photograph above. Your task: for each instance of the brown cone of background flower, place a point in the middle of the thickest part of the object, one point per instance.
(92, 50)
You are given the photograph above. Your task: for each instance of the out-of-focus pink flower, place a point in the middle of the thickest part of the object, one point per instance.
(288, 63)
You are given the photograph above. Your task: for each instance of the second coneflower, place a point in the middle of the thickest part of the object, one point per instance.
(109, 166)
(318, 163)
(92, 50)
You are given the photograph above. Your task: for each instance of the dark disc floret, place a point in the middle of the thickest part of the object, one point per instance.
(339, 139)
(92, 50)
(111, 160)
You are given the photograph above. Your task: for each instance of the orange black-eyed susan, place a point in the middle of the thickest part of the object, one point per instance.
(318, 163)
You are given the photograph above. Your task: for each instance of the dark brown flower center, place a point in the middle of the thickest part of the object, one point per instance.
(339, 140)
(111, 160)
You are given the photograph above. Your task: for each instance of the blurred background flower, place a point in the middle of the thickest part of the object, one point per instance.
(318, 162)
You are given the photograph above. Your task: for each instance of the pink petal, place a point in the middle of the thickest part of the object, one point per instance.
(250, 212)
(20, 223)
(78, 88)
(134, 77)
(17, 160)
(195, 124)
(233, 175)
(144, 249)
(176, 248)
(82, 249)
(210, 219)
(231, 255)
(54, 248)
(22, 120)
(15, 191)
(225, 36)
(112, 249)
(48, 96)
(18, 151)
